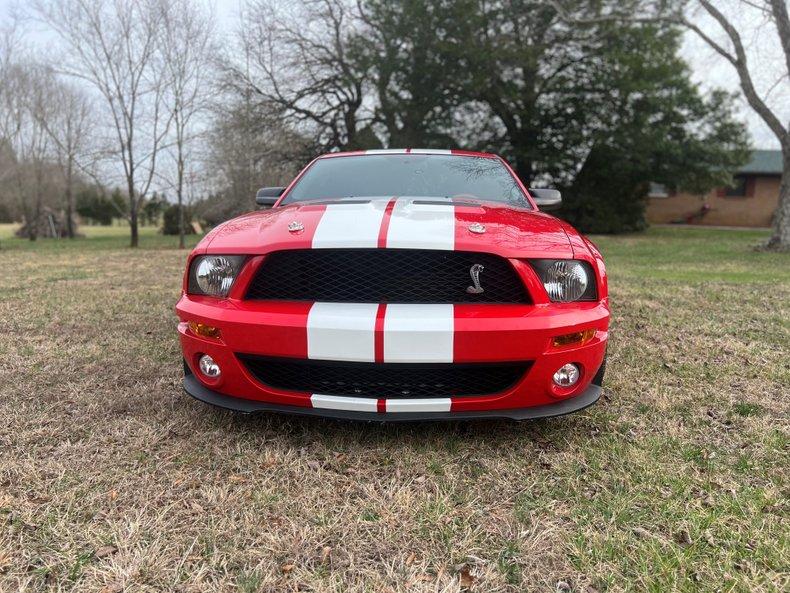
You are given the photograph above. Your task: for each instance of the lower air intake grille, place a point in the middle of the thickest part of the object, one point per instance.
(386, 276)
(383, 380)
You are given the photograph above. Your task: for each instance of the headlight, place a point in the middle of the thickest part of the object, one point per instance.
(213, 275)
(566, 280)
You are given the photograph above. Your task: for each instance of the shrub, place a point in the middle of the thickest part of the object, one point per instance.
(170, 221)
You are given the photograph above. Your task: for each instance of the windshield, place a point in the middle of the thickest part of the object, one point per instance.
(438, 176)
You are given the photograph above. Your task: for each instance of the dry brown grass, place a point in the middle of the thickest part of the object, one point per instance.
(112, 479)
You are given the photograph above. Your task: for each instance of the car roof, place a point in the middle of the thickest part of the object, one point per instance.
(439, 151)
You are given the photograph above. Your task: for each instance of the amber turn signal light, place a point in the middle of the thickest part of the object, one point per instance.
(201, 329)
(576, 338)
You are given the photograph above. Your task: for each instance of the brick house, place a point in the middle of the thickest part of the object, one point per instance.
(750, 201)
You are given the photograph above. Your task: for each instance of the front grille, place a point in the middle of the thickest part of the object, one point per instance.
(385, 276)
(383, 380)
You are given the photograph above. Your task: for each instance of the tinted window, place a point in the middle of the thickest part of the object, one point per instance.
(434, 176)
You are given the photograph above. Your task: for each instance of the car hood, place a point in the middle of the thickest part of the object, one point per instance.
(407, 222)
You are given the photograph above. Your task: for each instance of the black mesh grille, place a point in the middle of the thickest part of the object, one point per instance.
(385, 276)
(391, 380)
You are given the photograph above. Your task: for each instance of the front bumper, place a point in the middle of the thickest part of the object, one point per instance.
(587, 398)
(472, 334)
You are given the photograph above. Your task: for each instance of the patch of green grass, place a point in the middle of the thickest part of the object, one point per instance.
(249, 582)
(507, 563)
(693, 256)
(79, 564)
(369, 515)
(747, 409)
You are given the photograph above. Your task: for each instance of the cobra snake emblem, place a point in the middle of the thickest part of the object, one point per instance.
(474, 272)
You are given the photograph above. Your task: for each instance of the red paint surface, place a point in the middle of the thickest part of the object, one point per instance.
(482, 333)
(385, 223)
(378, 333)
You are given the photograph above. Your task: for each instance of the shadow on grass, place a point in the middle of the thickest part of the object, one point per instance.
(419, 436)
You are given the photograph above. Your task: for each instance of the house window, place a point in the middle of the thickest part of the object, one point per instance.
(657, 190)
(737, 189)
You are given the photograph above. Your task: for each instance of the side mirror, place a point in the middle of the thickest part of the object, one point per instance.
(547, 199)
(268, 196)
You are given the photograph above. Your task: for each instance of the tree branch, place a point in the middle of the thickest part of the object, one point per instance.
(742, 68)
(782, 20)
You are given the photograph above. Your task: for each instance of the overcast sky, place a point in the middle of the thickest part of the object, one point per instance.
(709, 69)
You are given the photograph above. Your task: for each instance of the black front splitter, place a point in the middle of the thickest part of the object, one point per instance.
(247, 406)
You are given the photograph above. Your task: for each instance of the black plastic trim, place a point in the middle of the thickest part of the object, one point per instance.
(393, 276)
(519, 368)
(247, 406)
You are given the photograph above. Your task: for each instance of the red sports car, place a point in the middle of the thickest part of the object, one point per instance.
(397, 285)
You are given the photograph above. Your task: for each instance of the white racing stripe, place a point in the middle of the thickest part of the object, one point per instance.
(350, 225)
(434, 404)
(369, 404)
(342, 331)
(421, 226)
(430, 151)
(336, 402)
(419, 333)
(386, 151)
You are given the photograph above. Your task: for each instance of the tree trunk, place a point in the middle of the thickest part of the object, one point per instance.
(37, 211)
(180, 222)
(135, 241)
(780, 235)
(523, 167)
(69, 199)
(180, 192)
(133, 204)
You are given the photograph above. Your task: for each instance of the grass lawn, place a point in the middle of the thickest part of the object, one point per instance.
(96, 238)
(112, 479)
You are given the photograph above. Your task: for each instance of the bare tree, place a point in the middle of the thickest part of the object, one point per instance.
(66, 116)
(10, 114)
(249, 146)
(114, 45)
(22, 93)
(186, 40)
(735, 53)
(299, 59)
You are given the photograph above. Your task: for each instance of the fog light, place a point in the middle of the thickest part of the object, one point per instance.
(210, 368)
(567, 375)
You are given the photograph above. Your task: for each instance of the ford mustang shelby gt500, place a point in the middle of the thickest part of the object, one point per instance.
(397, 285)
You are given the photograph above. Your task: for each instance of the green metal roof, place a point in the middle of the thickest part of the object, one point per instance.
(764, 162)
